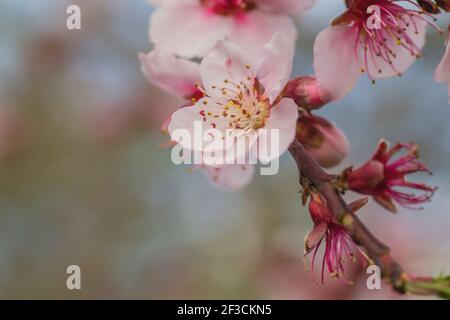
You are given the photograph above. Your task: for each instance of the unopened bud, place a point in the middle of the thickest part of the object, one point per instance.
(306, 93)
(326, 143)
(444, 4)
(429, 6)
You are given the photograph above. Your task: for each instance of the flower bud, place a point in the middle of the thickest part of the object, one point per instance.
(306, 93)
(444, 4)
(326, 143)
(429, 6)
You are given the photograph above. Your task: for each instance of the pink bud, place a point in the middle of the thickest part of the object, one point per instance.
(306, 93)
(326, 143)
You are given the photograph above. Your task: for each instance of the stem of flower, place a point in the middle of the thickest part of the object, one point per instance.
(378, 252)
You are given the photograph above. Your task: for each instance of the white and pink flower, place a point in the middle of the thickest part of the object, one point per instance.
(442, 74)
(180, 78)
(349, 47)
(241, 99)
(191, 28)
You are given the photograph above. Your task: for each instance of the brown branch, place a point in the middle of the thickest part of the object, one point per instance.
(377, 251)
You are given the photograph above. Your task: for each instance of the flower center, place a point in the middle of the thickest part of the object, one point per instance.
(381, 30)
(240, 106)
(228, 7)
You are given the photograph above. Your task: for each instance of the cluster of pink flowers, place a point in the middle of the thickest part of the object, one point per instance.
(230, 63)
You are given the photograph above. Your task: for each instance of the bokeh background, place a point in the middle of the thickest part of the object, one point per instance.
(84, 179)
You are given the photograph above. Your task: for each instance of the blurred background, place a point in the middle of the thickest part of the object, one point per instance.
(84, 179)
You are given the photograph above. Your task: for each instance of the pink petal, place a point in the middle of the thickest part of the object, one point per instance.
(283, 117)
(443, 70)
(404, 59)
(173, 75)
(230, 177)
(276, 67)
(287, 7)
(184, 122)
(315, 236)
(187, 29)
(255, 29)
(334, 60)
(225, 67)
(442, 74)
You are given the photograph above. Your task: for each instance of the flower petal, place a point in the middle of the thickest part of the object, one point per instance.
(187, 126)
(334, 60)
(442, 74)
(276, 67)
(225, 67)
(255, 29)
(193, 130)
(283, 117)
(287, 7)
(314, 237)
(187, 29)
(171, 74)
(230, 177)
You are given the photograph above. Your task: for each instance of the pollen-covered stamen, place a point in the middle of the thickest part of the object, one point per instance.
(228, 7)
(240, 106)
(395, 27)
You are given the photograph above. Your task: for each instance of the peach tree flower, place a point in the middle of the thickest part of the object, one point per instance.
(191, 28)
(338, 244)
(179, 77)
(442, 74)
(352, 46)
(241, 99)
(384, 178)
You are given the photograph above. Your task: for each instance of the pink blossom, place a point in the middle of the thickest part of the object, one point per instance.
(349, 47)
(241, 98)
(442, 74)
(338, 244)
(191, 28)
(384, 178)
(179, 77)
